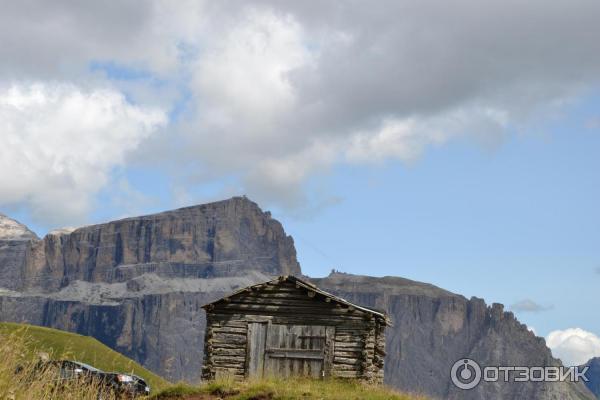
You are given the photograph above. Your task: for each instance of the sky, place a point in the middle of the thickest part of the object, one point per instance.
(452, 145)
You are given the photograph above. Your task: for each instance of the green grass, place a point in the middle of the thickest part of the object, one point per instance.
(286, 389)
(65, 345)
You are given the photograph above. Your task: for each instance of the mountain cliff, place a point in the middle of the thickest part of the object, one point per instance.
(137, 285)
(15, 244)
(433, 328)
(593, 376)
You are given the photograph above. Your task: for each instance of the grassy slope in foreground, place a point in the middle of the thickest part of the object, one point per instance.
(283, 389)
(66, 345)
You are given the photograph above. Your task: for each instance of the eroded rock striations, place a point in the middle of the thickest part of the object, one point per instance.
(433, 328)
(15, 244)
(137, 285)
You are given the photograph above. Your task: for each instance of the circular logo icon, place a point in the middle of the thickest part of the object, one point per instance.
(465, 374)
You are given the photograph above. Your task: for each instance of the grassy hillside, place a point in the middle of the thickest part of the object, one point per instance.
(65, 345)
(279, 389)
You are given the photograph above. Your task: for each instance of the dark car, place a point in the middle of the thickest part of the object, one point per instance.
(122, 385)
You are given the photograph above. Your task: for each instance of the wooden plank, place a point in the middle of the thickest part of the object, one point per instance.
(232, 330)
(220, 351)
(273, 295)
(221, 323)
(305, 301)
(228, 338)
(315, 307)
(344, 360)
(256, 348)
(234, 359)
(341, 336)
(351, 330)
(230, 363)
(299, 354)
(329, 350)
(271, 367)
(297, 317)
(349, 345)
(346, 367)
(227, 345)
(284, 307)
(294, 350)
(347, 354)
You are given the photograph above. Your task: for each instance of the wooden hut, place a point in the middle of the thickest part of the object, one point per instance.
(288, 326)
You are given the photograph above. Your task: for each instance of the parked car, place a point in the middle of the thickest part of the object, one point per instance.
(122, 385)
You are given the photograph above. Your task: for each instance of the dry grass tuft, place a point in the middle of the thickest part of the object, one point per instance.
(21, 378)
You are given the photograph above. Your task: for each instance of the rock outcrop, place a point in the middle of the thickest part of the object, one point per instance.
(137, 285)
(15, 244)
(14, 230)
(593, 375)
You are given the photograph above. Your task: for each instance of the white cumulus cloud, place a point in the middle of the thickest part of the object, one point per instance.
(59, 143)
(574, 346)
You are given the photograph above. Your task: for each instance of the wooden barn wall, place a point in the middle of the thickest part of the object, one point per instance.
(359, 344)
(224, 347)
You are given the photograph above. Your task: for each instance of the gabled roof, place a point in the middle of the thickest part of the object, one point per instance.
(307, 286)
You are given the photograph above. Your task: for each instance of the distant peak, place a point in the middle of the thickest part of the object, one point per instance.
(62, 231)
(11, 229)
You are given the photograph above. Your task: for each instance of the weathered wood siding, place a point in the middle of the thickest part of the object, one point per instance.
(353, 345)
(225, 348)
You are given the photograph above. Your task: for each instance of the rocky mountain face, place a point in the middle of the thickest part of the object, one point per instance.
(593, 376)
(137, 285)
(13, 230)
(433, 328)
(15, 244)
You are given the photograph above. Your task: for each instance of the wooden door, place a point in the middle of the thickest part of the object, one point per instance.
(255, 350)
(298, 350)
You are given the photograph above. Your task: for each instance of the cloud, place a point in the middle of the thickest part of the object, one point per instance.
(293, 93)
(574, 346)
(528, 305)
(243, 74)
(59, 41)
(275, 93)
(60, 142)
